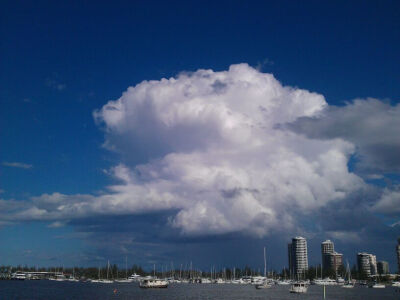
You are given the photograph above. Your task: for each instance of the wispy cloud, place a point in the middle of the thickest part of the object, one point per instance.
(17, 165)
(261, 64)
(345, 236)
(55, 84)
(56, 224)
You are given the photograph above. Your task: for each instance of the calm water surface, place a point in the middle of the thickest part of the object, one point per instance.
(44, 289)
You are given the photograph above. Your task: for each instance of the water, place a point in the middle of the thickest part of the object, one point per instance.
(45, 289)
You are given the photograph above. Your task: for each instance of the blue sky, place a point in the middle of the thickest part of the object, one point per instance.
(62, 61)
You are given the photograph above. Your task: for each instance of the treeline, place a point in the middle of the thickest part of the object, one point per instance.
(79, 272)
(184, 272)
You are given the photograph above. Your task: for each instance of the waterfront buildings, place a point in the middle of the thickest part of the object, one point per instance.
(367, 263)
(383, 267)
(298, 257)
(331, 260)
(335, 260)
(398, 255)
(372, 261)
(327, 247)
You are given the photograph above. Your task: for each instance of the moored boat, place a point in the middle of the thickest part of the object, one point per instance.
(377, 286)
(265, 285)
(135, 277)
(124, 280)
(349, 283)
(326, 281)
(18, 276)
(153, 283)
(298, 288)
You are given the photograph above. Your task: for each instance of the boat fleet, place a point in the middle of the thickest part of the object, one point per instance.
(259, 282)
(147, 282)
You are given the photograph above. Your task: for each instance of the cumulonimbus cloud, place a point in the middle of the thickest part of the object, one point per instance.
(208, 146)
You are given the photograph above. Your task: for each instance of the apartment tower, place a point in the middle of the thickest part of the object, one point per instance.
(398, 255)
(367, 263)
(298, 258)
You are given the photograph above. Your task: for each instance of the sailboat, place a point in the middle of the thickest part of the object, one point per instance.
(73, 276)
(265, 284)
(348, 284)
(126, 280)
(60, 276)
(108, 270)
(99, 280)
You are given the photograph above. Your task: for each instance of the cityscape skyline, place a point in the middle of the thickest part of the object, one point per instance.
(184, 131)
(297, 264)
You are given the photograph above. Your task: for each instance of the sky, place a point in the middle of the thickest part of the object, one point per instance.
(198, 131)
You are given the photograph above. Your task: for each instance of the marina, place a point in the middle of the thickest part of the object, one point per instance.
(46, 289)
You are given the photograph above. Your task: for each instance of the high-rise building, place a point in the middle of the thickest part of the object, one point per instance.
(367, 263)
(298, 258)
(363, 263)
(398, 255)
(383, 267)
(335, 260)
(373, 265)
(331, 260)
(327, 247)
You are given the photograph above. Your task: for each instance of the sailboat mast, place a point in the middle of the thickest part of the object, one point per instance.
(265, 264)
(321, 272)
(108, 268)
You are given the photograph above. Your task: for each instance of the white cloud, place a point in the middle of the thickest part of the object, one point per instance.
(17, 165)
(345, 236)
(389, 203)
(212, 153)
(56, 224)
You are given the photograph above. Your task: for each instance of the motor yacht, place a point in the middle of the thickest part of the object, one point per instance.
(153, 283)
(135, 277)
(298, 288)
(18, 276)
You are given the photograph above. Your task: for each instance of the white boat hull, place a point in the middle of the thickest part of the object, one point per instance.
(263, 286)
(157, 284)
(378, 286)
(298, 288)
